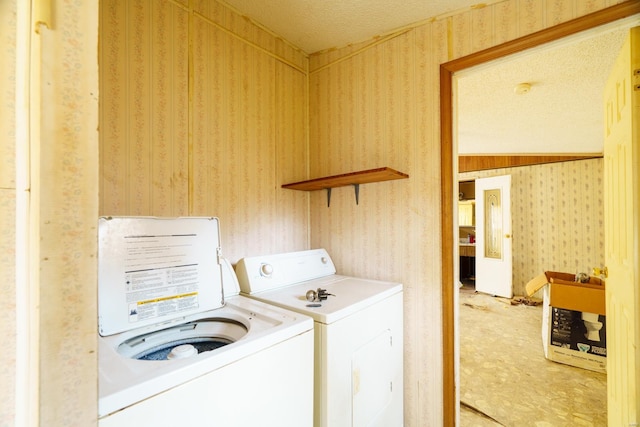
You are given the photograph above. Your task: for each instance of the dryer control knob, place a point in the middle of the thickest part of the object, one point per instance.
(324, 260)
(266, 270)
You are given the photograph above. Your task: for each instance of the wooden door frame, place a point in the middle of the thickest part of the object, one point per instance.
(447, 158)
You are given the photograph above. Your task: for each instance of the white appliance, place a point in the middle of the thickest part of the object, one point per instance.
(176, 347)
(358, 327)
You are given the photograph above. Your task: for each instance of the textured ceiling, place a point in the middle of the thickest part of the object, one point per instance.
(315, 25)
(562, 113)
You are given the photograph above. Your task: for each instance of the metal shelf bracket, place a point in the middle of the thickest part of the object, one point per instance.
(356, 188)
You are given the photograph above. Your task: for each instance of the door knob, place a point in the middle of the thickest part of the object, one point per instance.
(508, 236)
(602, 272)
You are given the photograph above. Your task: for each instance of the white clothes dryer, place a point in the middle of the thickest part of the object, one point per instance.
(178, 345)
(358, 327)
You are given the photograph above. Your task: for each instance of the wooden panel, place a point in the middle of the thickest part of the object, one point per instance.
(220, 152)
(461, 43)
(483, 28)
(160, 116)
(584, 7)
(9, 288)
(292, 215)
(466, 250)
(144, 109)
(8, 94)
(468, 190)
(250, 32)
(530, 16)
(209, 81)
(557, 12)
(138, 81)
(59, 293)
(10, 229)
(180, 109)
(505, 14)
(169, 113)
(478, 163)
(113, 109)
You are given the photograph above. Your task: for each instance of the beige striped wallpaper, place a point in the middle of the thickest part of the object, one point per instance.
(557, 217)
(211, 131)
(216, 131)
(48, 137)
(7, 211)
(64, 203)
(377, 104)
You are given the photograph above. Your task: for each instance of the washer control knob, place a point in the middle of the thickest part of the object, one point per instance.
(266, 270)
(324, 260)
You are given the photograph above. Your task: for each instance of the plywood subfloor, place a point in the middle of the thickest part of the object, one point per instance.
(504, 375)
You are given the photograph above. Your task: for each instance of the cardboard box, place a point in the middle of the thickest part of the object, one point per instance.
(565, 336)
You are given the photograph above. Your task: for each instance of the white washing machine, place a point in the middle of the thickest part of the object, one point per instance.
(176, 347)
(358, 327)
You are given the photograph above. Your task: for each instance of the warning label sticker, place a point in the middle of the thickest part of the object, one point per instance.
(169, 286)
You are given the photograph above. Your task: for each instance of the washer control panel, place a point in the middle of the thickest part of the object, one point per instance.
(268, 272)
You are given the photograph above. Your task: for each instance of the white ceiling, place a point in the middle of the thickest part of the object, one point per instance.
(562, 113)
(315, 25)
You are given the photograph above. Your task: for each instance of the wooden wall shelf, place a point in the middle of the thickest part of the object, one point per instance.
(345, 179)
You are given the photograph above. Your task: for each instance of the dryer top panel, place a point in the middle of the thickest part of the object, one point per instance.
(156, 270)
(345, 296)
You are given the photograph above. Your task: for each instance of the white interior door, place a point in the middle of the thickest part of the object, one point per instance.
(621, 222)
(493, 236)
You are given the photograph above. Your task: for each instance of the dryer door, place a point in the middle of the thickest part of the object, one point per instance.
(372, 379)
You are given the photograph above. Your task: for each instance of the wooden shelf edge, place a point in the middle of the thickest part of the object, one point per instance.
(351, 178)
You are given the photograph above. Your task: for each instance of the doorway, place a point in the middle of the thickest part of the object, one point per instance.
(448, 169)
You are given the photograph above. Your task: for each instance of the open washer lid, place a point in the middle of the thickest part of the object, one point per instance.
(154, 270)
